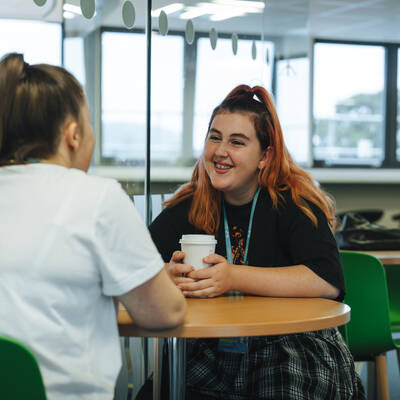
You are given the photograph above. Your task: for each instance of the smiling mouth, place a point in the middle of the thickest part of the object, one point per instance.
(222, 166)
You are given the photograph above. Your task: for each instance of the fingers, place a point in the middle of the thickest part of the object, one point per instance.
(202, 273)
(180, 269)
(182, 280)
(176, 267)
(205, 293)
(214, 259)
(204, 288)
(177, 256)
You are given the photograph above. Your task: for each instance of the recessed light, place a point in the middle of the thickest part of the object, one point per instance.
(169, 9)
(72, 8)
(68, 15)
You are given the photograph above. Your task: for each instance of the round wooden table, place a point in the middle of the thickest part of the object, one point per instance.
(235, 316)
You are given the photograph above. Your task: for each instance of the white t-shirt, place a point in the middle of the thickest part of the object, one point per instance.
(69, 241)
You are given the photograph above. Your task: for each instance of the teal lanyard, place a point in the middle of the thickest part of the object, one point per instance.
(228, 237)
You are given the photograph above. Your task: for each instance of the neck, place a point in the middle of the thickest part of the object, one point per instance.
(57, 161)
(238, 199)
(61, 157)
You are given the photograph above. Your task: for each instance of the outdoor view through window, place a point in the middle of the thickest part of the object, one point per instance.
(348, 104)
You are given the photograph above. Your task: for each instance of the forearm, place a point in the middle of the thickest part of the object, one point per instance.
(293, 281)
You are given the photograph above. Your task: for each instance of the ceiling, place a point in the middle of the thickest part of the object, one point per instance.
(364, 20)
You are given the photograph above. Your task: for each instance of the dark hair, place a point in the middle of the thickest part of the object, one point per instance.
(279, 174)
(35, 102)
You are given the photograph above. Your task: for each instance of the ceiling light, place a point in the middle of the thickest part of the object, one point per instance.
(223, 9)
(222, 16)
(72, 9)
(241, 3)
(194, 12)
(171, 8)
(68, 15)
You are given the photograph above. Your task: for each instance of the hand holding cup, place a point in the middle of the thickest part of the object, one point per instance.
(210, 282)
(179, 271)
(196, 247)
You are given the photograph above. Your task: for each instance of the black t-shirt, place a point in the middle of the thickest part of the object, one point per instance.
(280, 236)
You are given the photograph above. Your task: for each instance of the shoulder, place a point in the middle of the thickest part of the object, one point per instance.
(173, 218)
(91, 180)
(287, 210)
(94, 195)
(93, 185)
(181, 208)
(287, 203)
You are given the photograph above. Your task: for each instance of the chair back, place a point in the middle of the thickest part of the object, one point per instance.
(393, 282)
(368, 333)
(20, 375)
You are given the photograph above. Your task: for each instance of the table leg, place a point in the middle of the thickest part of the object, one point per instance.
(177, 368)
(158, 360)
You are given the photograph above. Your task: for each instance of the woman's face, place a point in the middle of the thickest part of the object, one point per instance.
(233, 156)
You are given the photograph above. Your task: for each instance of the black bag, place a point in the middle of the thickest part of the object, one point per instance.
(357, 233)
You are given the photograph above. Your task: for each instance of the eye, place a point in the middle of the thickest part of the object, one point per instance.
(214, 138)
(237, 142)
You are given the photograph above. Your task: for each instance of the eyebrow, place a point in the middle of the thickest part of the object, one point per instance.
(232, 135)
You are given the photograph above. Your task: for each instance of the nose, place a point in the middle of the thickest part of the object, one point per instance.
(221, 149)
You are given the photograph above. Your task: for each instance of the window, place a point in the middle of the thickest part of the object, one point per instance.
(219, 71)
(74, 58)
(124, 93)
(348, 112)
(40, 42)
(292, 103)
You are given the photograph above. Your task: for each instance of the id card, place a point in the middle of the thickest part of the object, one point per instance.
(234, 344)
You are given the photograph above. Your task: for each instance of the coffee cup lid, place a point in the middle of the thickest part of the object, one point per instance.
(198, 239)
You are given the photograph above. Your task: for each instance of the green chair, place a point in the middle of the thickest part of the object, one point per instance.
(393, 283)
(369, 333)
(20, 377)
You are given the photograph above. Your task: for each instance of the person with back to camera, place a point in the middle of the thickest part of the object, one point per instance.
(69, 242)
(273, 226)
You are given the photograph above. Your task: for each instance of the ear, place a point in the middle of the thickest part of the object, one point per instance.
(266, 156)
(72, 135)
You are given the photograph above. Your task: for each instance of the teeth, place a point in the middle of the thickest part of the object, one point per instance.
(220, 166)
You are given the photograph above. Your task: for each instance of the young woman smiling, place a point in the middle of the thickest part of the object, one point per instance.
(273, 226)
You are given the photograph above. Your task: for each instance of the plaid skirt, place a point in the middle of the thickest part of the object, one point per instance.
(309, 366)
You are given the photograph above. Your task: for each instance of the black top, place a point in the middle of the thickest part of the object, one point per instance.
(280, 237)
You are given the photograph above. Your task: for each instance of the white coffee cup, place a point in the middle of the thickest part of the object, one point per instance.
(196, 247)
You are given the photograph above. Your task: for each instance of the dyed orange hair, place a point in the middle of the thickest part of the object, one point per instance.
(280, 173)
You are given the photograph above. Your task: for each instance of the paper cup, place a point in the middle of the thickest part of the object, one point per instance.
(196, 247)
